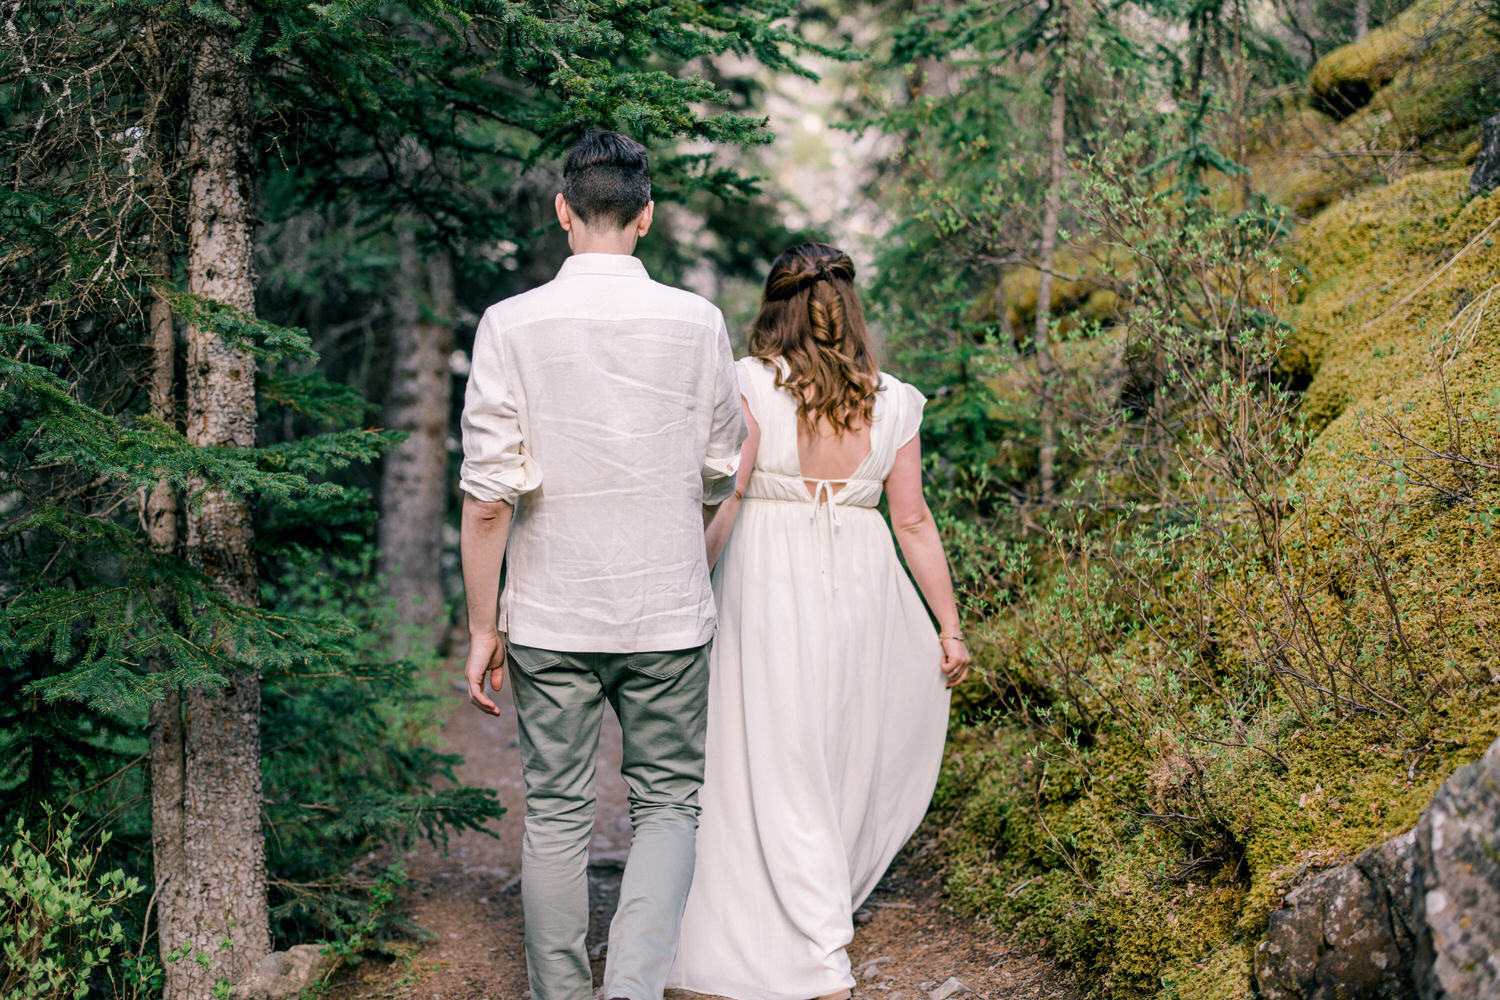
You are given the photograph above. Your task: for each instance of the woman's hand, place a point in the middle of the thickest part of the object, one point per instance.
(955, 660)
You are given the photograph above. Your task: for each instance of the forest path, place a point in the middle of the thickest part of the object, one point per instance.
(908, 944)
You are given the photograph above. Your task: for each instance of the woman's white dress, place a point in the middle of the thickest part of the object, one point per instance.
(826, 720)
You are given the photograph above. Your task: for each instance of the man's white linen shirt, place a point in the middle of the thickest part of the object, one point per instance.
(606, 408)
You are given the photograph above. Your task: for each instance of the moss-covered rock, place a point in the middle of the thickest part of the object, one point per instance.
(1344, 80)
(1368, 316)
(1139, 800)
(1429, 76)
(1115, 830)
(1076, 302)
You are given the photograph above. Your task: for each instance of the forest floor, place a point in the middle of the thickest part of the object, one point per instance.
(907, 946)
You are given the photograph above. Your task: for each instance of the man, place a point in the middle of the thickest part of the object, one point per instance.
(602, 422)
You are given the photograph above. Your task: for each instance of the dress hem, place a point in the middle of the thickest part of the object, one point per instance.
(740, 991)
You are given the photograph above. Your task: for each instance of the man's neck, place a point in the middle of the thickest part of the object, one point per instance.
(622, 242)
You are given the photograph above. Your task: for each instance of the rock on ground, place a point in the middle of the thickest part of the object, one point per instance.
(283, 975)
(1346, 933)
(952, 987)
(1458, 881)
(1417, 916)
(1487, 167)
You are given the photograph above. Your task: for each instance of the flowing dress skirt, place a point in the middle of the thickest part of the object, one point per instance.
(827, 717)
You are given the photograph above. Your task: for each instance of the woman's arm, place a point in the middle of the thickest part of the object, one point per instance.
(716, 535)
(917, 534)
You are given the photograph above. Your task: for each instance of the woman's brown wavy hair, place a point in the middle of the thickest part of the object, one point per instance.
(810, 316)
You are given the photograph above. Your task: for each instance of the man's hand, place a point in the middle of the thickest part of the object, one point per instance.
(486, 658)
(485, 529)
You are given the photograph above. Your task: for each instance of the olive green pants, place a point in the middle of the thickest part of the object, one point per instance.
(661, 700)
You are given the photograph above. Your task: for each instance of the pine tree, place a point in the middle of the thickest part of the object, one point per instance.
(149, 562)
(989, 191)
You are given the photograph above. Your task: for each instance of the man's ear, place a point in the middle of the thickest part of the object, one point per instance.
(564, 214)
(643, 221)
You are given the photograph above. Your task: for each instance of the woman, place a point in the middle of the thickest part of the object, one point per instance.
(827, 704)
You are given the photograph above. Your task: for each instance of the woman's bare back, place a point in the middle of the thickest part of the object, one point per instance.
(823, 454)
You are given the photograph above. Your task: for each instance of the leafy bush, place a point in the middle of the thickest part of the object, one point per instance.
(1251, 635)
(62, 936)
(349, 763)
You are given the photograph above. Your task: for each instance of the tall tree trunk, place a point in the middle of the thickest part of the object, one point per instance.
(1361, 19)
(212, 889)
(1046, 365)
(414, 477)
(1239, 75)
(1304, 22)
(161, 528)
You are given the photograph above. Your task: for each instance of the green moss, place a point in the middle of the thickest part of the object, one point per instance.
(1077, 303)
(1149, 860)
(1371, 317)
(1428, 77)
(1064, 860)
(1105, 820)
(1345, 79)
(1223, 974)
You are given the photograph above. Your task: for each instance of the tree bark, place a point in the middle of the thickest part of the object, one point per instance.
(1239, 76)
(414, 477)
(1361, 19)
(1045, 363)
(1304, 23)
(161, 530)
(212, 888)
(161, 504)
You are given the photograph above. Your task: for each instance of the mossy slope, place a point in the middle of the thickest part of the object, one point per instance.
(1398, 331)
(1407, 96)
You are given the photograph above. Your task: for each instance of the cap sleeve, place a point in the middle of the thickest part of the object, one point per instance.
(909, 410)
(752, 374)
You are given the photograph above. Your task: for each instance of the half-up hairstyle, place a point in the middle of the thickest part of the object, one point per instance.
(810, 316)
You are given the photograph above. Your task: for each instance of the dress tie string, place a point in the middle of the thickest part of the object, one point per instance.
(825, 498)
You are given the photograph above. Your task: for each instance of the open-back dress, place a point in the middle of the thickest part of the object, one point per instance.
(827, 714)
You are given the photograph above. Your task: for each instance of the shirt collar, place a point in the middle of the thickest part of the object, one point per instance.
(620, 264)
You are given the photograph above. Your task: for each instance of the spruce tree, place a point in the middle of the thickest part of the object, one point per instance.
(143, 521)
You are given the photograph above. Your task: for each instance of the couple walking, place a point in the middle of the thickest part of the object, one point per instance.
(644, 490)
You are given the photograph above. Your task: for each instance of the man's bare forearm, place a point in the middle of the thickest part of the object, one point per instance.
(485, 526)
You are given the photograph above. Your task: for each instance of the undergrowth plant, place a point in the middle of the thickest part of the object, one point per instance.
(61, 934)
(1232, 649)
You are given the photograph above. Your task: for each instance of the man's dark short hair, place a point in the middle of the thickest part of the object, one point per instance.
(606, 178)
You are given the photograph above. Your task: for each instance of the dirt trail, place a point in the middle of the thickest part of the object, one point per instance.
(907, 946)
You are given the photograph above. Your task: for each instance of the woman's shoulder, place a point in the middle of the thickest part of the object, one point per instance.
(901, 409)
(761, 371)
(894, 388)
(757, 378)
(756, 363)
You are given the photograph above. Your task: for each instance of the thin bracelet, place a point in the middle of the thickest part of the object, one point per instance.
(951, 635)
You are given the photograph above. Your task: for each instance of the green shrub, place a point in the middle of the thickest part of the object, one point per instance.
(350, 765)
(60, 932)
(1254, 636)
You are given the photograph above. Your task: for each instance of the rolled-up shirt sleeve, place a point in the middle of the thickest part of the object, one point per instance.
(496, 465)
(722, 463)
